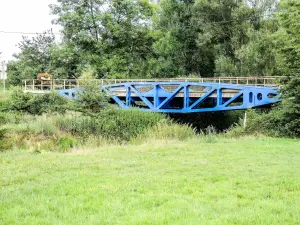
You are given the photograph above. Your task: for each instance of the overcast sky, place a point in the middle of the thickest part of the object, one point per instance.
(22, 16)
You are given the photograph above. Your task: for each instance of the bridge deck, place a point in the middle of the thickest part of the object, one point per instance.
(37, 86)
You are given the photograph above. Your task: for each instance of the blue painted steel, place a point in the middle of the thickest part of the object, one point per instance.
(182, 98)
(69, 93)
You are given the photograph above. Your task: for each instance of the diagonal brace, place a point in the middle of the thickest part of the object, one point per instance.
(144, 99)
(171, 96)
(232, 99)
(115, 98)
(202, 98)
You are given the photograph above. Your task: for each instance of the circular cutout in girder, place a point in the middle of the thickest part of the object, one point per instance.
(259, 96)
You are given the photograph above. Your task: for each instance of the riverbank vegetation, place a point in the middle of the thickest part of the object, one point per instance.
(50, 122)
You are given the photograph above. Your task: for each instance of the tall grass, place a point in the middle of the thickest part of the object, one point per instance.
(63, 131)
(166, 130)
(110, 124)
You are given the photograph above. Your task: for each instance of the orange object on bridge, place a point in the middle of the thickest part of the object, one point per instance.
(44, 76)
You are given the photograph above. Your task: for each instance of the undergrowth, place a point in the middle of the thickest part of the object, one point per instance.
(51, 123)
(61, 132)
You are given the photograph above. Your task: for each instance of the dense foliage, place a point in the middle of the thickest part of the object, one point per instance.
(143, 38)
(34, 104)
(51, 122)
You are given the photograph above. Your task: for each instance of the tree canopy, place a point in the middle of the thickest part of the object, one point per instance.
(172, 38)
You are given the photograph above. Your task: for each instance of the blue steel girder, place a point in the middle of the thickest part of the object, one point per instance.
(184, 99)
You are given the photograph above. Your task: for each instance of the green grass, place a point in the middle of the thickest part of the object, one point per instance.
(228, 181)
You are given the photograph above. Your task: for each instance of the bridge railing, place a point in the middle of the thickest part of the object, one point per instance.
(58, 84)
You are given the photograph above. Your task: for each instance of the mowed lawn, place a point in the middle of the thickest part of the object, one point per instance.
(232, 181)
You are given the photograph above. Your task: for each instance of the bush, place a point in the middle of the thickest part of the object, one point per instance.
(273, 123)
(90, 99)
(36, 104)
(111, 124)
(65, 143)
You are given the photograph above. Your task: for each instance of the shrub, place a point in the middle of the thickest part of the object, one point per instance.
(111, 124)
(90, 99)
(37, 104)
(65, 143)
(272, 123)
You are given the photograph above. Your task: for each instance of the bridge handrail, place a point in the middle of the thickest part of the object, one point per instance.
(56, 84)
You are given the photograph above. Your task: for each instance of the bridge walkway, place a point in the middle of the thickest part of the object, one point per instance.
(37, 86)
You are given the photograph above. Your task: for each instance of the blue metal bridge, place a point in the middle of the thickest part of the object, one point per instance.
(189, 97)
(183, 96)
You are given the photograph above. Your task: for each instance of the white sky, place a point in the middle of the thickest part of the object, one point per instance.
(29, 16)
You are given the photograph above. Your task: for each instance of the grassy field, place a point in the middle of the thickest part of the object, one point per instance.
(223, 181)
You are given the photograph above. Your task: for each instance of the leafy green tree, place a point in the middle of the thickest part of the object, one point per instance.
(112, 36)
(179, 50)
(289, 36)
(215, 37)
(66, 61)
(241, 32)
(259, 57)
(291, 106)
(34, 58)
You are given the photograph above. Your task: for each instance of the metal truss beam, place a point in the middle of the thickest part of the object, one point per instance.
(188, 97)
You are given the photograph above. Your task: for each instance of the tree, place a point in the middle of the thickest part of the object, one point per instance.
(289, 37)
(215, 37)
(66, 61)
(34, 58)
(113, 36)
(179, 50)
(241, 33)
